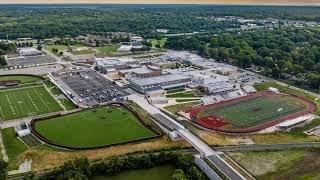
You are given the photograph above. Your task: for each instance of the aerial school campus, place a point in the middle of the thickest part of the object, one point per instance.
(166, 105)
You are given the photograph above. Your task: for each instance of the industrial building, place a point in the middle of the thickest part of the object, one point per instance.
(28, 51)
(106, 65)
(169, 81)
(142, 72)
(200, 79)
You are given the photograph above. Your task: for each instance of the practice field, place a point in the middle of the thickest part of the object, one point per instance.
(24, 102)
(93, 128)
(249, 111)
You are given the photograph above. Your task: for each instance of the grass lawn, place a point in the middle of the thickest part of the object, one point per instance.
(163, 172)
(155, 42)
(59, 47)
(288, 164)
(30, 141)
(93, 128)
(64, 100)
(186, 100)
(265, 86)
(108, 50)
(175, 90)
(23, 79)
(68, 104)
(184, 94)
(30, 101)
(83, 52)
(180, 107)
(254, 111)
(13, 145)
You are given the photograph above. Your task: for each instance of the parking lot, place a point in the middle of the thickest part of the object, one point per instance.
(30, 60)
(247, 78)
(90, 88)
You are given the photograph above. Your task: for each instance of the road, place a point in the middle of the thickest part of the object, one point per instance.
(16, 122)
(37, 70)
(197, 143)
(226, 169)
(263, 147)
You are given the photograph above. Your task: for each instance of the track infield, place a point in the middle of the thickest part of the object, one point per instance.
(25, 102)
(251, 113)
(93, 128)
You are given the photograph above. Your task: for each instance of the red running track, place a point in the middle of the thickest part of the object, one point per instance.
(217, 124)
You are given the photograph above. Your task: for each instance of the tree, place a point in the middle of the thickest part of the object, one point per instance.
(307, 64)
(114, 166)
(194, 173)
(39, 47)
(214, 42)
(264, 52)
(54, 50)
(204, 51)
(3, 170)
(288, 66)
(213, 53)
(223, 54)
(276, 72)
(314, 80)
(296, 69)
(281, 65)
(3, 61)
(179, 175)
(316, 67)
(268, 61)
(244, 60)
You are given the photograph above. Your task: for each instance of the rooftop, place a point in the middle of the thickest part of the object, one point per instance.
(158, 79)
(113, 61)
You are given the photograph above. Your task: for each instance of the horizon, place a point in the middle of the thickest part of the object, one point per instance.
(166, 2)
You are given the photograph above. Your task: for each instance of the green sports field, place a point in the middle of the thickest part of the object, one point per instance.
(24, 102)
(94, 128)
(254, 111)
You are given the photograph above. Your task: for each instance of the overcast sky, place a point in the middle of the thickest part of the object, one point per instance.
(262, 2)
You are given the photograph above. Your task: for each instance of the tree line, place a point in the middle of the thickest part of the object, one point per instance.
(42, 23)
(81, 169)
(4, 49)
(287, 53)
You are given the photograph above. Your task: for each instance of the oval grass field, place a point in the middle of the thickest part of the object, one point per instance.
(93, 128)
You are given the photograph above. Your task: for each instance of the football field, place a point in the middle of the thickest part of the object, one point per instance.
(254, 111)
(93, 128)
(25, 102)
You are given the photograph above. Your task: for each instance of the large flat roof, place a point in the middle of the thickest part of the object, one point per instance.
(113, 61)
(158, 79)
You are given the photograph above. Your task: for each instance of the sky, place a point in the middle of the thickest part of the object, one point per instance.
(255, 2)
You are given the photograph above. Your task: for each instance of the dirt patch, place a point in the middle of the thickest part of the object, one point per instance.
(263, 163)
(246, 141)
(309, 163)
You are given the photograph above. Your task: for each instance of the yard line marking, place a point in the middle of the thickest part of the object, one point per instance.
(42, 100)
(2, 116)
